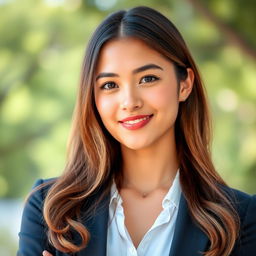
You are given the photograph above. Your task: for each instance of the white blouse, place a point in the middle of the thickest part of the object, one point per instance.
(158, 239)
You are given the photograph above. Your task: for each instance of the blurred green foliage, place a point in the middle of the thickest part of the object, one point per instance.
(41, 50)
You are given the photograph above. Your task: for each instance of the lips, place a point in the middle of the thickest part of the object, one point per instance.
(135, 122)
(132, 118)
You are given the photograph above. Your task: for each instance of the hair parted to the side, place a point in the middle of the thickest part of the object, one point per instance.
(94, 157)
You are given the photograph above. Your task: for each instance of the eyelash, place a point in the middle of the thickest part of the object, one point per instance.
(155, 78)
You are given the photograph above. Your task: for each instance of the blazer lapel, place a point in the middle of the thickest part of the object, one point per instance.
(188, 239)
(97, 226)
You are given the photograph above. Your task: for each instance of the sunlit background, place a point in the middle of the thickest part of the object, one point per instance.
(41, 50)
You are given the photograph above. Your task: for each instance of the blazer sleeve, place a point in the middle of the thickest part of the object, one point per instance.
(32, 235)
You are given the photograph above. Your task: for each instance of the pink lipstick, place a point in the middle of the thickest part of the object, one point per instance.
(135, 122)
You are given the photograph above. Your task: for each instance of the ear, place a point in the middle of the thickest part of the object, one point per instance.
(186, 85)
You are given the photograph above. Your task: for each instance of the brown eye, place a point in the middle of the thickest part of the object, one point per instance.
(108, 86)
(149, 79)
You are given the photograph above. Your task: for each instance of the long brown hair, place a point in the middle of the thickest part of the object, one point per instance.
(94, 157)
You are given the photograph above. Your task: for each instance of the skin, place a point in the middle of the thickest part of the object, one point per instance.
(152, 148)
(149, 153)
(45, 253)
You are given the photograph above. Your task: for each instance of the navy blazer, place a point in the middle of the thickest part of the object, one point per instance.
(188, 238)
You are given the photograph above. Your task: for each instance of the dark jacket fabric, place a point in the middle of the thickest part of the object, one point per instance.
(188, 240)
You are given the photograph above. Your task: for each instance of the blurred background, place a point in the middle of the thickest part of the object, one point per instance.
(42, 44)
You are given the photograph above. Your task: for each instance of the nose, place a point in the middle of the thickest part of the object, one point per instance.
(131, 100)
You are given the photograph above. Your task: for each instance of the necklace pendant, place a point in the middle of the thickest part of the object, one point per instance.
(144, 195)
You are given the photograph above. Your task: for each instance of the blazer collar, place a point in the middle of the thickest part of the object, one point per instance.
(188, 239)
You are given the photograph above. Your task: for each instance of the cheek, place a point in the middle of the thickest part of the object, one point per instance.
(105, 106)
(164, 97)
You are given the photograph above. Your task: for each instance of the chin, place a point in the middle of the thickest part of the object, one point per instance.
(136, 145)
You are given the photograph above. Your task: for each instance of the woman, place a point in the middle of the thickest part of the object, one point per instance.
(139, 179)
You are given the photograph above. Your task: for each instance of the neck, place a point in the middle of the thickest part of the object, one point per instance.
(150, 168)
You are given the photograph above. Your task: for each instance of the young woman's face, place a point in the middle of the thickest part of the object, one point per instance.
(133, 80)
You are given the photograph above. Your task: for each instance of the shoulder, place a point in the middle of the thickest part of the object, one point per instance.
(35, 199)
(41, 187)
(244, 203)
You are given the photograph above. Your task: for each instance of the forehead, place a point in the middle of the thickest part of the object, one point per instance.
(128, 52)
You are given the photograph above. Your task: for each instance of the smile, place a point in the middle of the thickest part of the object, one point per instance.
(137, 123)
(137, 120)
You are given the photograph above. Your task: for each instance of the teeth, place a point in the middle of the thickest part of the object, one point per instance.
(136, 121)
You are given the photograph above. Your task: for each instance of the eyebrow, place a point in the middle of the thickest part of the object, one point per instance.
(135, 71)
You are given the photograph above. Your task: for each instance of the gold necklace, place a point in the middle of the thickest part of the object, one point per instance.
(143, 194)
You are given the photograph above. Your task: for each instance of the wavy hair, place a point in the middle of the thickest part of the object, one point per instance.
(94, 155)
